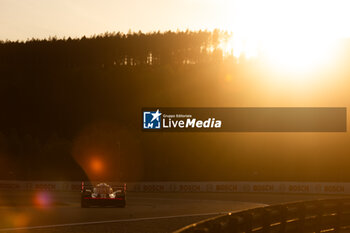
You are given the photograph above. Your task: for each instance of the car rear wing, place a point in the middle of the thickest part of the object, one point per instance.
(89, 186)
(86, 186)
(119, 187)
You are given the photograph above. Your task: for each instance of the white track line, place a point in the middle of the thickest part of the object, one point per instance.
(109, 221)
(197, 200)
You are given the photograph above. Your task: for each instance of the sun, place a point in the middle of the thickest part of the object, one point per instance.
(294, 35)
(298, 54)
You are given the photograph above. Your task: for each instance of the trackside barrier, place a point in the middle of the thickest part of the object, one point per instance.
(192, 187)
(40, 186)
(329, 215)
(245, 187)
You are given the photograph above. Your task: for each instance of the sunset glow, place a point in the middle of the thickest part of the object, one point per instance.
(290, 34)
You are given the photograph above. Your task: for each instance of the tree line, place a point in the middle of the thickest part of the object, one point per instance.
(117, 49)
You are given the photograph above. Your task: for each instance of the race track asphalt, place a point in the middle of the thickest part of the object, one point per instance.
(33, 212)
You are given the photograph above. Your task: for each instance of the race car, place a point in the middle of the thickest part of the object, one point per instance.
(102, 195)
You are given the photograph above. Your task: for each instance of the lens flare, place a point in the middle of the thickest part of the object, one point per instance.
(20, 220)
(96, 165)
(16, 219)
(42, 199)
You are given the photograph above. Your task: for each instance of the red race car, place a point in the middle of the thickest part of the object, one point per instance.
(102, 195)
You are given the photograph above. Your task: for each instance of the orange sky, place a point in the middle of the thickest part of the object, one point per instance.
(22, 19)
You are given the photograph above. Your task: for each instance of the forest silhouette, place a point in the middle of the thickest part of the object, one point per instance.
(116, 49)
(60, 97)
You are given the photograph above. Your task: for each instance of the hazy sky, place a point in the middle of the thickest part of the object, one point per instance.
(22, 19)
